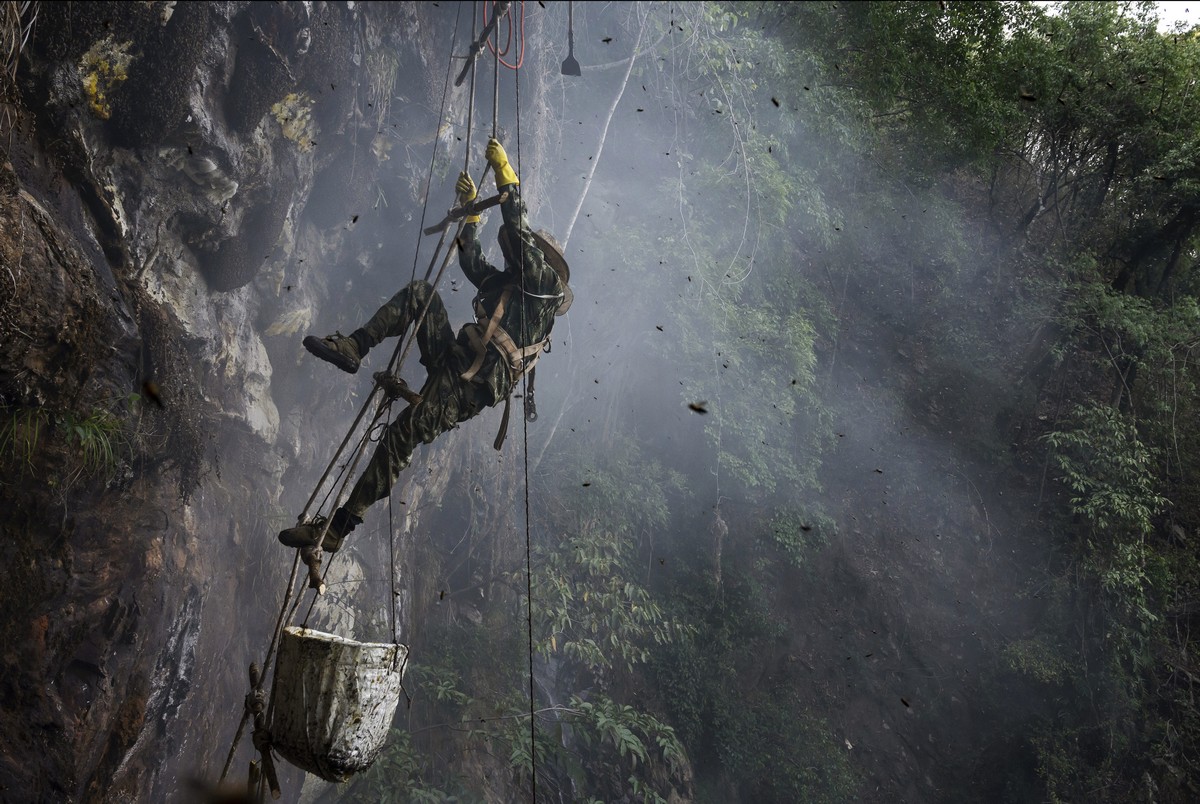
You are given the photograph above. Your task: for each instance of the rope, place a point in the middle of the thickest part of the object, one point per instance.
(507, 37)
(466, 167)
(270, 652)
(495, 89)
(433, 157)
(392, 565)
(470, 101)
(525, 466)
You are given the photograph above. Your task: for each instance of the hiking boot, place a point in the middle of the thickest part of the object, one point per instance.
(306, 535)
(338, 349)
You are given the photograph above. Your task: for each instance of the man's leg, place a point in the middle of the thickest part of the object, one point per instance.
(434, 337)
(446, 400)
(440, 397)
(390, 320)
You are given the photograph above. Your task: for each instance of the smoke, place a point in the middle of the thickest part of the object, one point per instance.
(896, 430)
(752, 332)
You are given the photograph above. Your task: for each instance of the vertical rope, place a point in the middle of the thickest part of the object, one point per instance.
(416, 253)
(520, 60)
(471, 98)
(433, 158)
(392, 564)
(496, 87)
(525, 460)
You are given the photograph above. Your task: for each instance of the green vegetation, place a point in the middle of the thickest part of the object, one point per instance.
(95, 443)
(596, 627)
(1070, 140)
(97, 439)
(20, 434)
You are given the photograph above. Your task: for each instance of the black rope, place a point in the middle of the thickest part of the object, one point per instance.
(392, 563)
(270, 651)
(496, 86)
(525, 461)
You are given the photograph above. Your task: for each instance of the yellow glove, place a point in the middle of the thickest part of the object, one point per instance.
(465, 187)
(498, 159)
(466, 193)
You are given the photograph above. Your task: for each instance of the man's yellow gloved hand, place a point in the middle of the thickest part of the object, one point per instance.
(498, 159)
(466, 193)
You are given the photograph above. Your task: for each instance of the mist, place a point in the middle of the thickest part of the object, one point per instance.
(908, 567)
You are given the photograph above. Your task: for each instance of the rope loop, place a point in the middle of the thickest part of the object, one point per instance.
(500, 54)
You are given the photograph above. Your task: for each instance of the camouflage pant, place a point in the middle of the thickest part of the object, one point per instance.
(446, 399)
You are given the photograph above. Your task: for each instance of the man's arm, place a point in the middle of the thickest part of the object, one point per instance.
(537, 275)
(470, 252)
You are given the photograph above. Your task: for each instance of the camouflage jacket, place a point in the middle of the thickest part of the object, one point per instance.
(527, 318)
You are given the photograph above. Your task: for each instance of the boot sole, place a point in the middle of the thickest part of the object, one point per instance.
(302, 544)
(289, 538)
(317, 347)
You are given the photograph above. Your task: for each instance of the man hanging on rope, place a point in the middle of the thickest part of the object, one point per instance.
(514, 310)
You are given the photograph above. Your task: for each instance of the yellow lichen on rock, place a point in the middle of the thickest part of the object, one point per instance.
(291, 322)
(102, 68)
(294, 114)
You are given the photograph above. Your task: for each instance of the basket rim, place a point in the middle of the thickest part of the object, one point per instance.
(322, 636)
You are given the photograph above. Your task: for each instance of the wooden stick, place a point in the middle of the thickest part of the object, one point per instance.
(477, 46)
(470, 208)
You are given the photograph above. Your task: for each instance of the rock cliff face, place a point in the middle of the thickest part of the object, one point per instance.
(189, 189)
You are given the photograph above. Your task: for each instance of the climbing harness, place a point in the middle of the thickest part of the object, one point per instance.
(486, 331)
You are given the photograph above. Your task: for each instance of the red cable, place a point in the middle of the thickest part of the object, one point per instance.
(508, 43)
(507, 19)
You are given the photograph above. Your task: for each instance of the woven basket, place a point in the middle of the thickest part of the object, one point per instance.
(334, 699)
